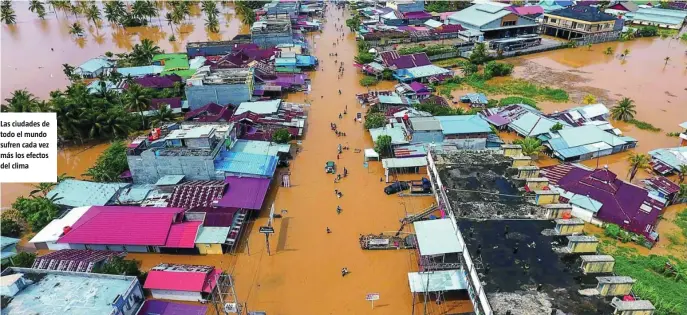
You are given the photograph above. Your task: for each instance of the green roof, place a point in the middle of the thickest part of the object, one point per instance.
(174, 63)
(212, 235)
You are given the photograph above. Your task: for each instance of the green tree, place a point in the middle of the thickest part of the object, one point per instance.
(209, 8)
(556, 127)
(212, 24)
(93, 14)
(76, 29)
(364, 57)
(648, 31)
(119, 266)
(20, 101)
(387, 74)
(142, 54)
(110, 164)
(637, 161)
(682, 194)
(368, 81)
(38, 211)
(42, 188)
(137, 100)
(245, 13)
(23, 260)
(114, 11)
(624, 110)
(281, 136)
(626, 52)
(681, 173)
(383, 145)
(530, 146)
(479, 54)
(468, 68)
(589, 47)
(375, 120)
(589, 99)
(163, 115)
(37, 6)
(608, 51)
(10, 228)
(353, 23)
(7, 14)
(497, 69)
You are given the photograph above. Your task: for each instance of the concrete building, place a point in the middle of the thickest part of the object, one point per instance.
(465, 131)
(493, 21)
(188, 150)
(181, 282)
(34, 291)
(271, 32)
(220, 86)
(584, 143)
(425, 130)
(584, 24)
(405, 6)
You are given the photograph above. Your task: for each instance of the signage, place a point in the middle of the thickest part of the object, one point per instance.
(372, 297)
(266, 230)
(378, 241)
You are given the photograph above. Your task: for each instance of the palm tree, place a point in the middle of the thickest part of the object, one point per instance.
(37, 7)
(138, 9)
(666, 59)
(143, 53)
(608, 51)
(137, 100)
(21, 101)
(468, 68)
(626, 52)
(210, 8)
(93, 14)
(42, 188)
(246, 13)
(162, 115)
(212, 24)
(530, 146)
(114, 10)
(74, 9)
(150, 9)
(7, 15)
(682, 194)
(681, 173)
(76, 29)
(625, 110)
(170, 21)
(637, 161)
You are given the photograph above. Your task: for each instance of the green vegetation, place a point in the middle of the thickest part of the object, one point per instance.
(644, 125)
(663, 33)
(141, 55)
(682, 173)
(37, 211)
(438, 110)
(648, 31)
(368, 81)
(110, 164)
(497, 69)
(375, 120)
(387, 74)
(383, 145)
(510, 100)
(451, 62)
(680, 221)
(608, 51)
(10, 228)
(244, 9)
(614, 231)
(281, 136)
(660, 279)
(364, 57)
(530, 146)
(589, 99)
(430, 50)
(556, 127)
(119, 266)
(517, 87)
(23, 260)
(672, 134)
(353, 23)
(7, 14)
(446, 6)
(684, 36)
(637, 161)
(624, 110)
(479, 54)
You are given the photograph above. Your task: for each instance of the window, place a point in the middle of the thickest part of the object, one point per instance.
(607, 25)
(508, 23)
(554, 21)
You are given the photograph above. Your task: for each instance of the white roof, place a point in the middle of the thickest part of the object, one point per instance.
(445, 280)
(371, 153)
(261, 107)
(683, 125)
(192, 133)
(404, 162)
(436, 237)
(433, 23)
(594, 110)
(54, 229)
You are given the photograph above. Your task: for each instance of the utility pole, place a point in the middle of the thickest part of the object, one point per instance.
(223, 297)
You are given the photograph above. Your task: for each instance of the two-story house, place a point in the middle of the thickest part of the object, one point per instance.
(584, 24)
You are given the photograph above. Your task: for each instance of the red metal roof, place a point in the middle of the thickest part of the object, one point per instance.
(181, 280)
(110, 225)
(183, 235)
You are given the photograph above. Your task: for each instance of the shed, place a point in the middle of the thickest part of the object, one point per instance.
(569, 226)
(521, 160)
(512, 149)
(544, 197)
(211, 238)
(413, 164)
(637, 307)
(536, 183)
(614, 285)
(166, 183)
(597, 264)
(527, 172)
(557, 210)
(582, 244)
(371, 154)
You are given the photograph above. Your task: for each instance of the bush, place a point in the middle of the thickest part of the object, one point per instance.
(479, 54)
(510, 100)
(375, 120)
(38, 211)
(387, 74)
(119, 266)
(648, 31)
(684, 36)
(10, 228)
(612, 230)
(430, 50)
(368, 81)
(383, 145)
(498, 69)
(23, 260)
(364, 57)
(644, 125)
(281, 136)
(110, 164)
(435, 109)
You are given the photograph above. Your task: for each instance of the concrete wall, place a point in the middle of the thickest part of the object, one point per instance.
(271, 40)
(614, 289)
(134, 293)
(583, 247)
(222, 94)
(148, 168)
(128, 248)
(598, 266)
(210, 249)
(176, 295)
(427, 136)
(520, 22)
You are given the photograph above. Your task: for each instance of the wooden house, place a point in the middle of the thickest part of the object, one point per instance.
(614, 285)
(569, 226)
(597, 264)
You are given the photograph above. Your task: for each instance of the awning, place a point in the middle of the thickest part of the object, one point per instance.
(435, 237)
(371, 154)
(404, 162)
(446, 280)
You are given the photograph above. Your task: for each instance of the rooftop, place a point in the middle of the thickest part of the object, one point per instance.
(443, 280)
(95, 64)
(435, 237)
(223, 75)
(244, 192)
(673, 157)
(168, 180)
(77, 260)
(395, 131)
(212, 235)
(196, 193)
(584, 13)
(157, 307)
(192, 133)
(425, 123)
(71, 193)
(182, 278)
(260, 107)
(637, 305)
(463, 124)
(479, 14)
(615, 279)
(54, 229)
(57, 292)
(596, 258)
(246, 163)
(269, 26)
(260, 147)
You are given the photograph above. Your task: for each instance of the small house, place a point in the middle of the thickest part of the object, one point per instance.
(94, 67)
(557, 210)
(637, 307)
(569, 226)
(521, 160)
(426, 130)
(475, 99)
(582, 244)
(465, 131)
(544, 197)
(512, 150)
(527, 172)
(211, 240)
(597, 264)
(181, 282)
(614, 285)
(9, 248)
(536, 183)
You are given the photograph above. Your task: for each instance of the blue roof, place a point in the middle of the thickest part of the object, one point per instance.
(95, 87)
(80, 193)
(6, 241)
(531, 124)
(95, 64)
(246, 163)
(140, 71)
(462, 124)
(305, 61)
(134, 194)
(284, 62)
(674, 157)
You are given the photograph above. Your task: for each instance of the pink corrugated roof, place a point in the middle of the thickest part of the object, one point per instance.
(245, 192)
(110, 225)
(181, 280)
(183, 235)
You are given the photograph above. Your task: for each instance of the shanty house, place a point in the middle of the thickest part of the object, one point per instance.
(75, 260)
(181, 282)
(94, 67)
(69, 193)
(582, 244)
(529, 124)
(614, 285)
(397, 132)
(426, 130)
(599, 196)
(132, 229)
(569, 226)
(663, 188)
(422, 73)
(586, 142)
(394, 61)
(597, 264)
(636, 307)
(210, 240)
(494, 21)
(140, 71)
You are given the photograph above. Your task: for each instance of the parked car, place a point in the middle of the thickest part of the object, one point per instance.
(396, 187)
(330, 167)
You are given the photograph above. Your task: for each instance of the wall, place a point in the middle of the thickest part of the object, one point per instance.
(129, 248)
(222, 94)
(521, 162)
(210, 249)
(615, 289)
(546, 199)
(598, 267)
(148, 168)
(570, 229)
(176, 295)
(134, 293)
(584, 247)
(496, 24)
(273, 39)
(427, 137)
(475, 144)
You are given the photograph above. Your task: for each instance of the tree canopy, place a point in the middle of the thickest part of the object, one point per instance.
(110, 164)
(375, 120)
(281, 136)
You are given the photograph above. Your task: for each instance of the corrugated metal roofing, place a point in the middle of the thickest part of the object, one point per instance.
(404, 162)
(140, 71)
(245, 192)
(54, 229)
(156, 307)
(390, 99)
(95, 64)
(463, 124)
(654, 18)
(425, 123)
(260, 147)
(479, 15)
(397, 133)
(134, 194)
(180, 280)
(169, 180)
(212, 235)
(80, 193)
(674, 157)
(183, 235)
(531, 124)
(246, 163)
(427, 71)
(411, 150)
(435, 237)
(261, 107)
(584, 135)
